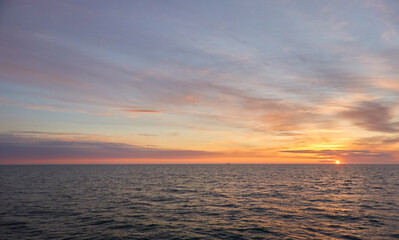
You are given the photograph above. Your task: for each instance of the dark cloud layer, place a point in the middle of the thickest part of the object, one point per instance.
(14, 148)
(349, 156)
(372, 116)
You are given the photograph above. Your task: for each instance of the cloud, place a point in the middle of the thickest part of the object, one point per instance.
(327, 161)
(206, 69)
(387, 35)
(47, 133)
(145, 135)
(371, 116)
(142, 111)
(350, 156)
(176, 75)
(377, 5)
(16, 148)
(377, 141)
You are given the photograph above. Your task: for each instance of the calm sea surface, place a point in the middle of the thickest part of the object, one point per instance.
(199, 202)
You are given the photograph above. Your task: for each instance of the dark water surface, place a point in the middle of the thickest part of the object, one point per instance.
(199, 202)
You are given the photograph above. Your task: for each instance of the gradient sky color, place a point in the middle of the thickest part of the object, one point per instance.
(199, 81)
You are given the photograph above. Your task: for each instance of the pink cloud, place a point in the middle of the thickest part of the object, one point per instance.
(142, 111)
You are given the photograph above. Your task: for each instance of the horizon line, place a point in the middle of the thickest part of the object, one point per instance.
(77, 164)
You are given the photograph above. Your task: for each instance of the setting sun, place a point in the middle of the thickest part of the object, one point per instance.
(337, 162)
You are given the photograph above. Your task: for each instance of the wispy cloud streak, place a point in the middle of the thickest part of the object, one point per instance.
(142, 111)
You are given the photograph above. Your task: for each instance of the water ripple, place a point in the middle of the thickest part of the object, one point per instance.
(199, 202)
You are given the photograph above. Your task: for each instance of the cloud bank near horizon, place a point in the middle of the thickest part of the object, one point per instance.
(15, 148)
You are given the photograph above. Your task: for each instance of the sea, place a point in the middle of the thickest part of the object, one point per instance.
(226, 201)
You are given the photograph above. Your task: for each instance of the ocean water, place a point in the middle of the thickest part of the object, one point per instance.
(199, 202)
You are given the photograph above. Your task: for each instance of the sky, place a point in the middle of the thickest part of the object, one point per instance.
(94, 81)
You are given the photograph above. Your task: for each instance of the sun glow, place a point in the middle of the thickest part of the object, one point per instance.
(337, 162)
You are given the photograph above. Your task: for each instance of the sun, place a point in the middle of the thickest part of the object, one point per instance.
(337, 162)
